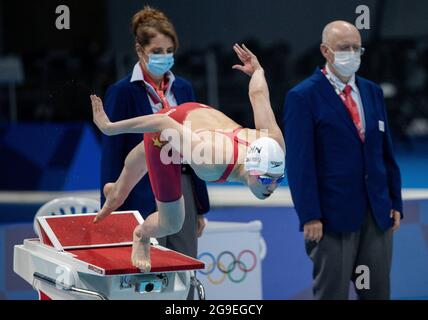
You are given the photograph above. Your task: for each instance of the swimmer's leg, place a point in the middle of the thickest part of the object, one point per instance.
(116, 193)
(165, 179)
(167, 220)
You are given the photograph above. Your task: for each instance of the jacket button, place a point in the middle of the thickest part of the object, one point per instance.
(366, 177)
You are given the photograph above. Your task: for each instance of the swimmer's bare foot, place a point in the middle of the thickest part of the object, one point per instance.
(107, 188)
(105, 210)
(141, 251)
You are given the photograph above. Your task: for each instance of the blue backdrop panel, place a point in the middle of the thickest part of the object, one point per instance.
(49, 157)
(413, 163)
(286, 270)
(13, 287)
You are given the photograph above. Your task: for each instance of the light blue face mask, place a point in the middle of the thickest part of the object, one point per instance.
(159, 64)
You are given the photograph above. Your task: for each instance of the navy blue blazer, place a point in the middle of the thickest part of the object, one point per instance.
(333, 176)
(126, 100)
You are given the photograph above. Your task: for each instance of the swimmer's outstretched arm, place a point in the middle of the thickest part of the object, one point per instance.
(134, 169)
(264, 117)
(142, 124)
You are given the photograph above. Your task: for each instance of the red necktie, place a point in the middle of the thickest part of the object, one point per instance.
(352, 107)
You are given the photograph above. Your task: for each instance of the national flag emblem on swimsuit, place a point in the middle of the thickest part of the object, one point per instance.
(159, 144)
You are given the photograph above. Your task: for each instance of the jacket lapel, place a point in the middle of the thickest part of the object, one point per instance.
(179, 93)
(140, 90)
(333, 100)
(367, 101)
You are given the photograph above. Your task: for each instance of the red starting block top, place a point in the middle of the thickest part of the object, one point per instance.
(117, 260)
(79, 231)
(106, 246)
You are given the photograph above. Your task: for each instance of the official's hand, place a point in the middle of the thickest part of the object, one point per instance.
(313, 230)
(397, 219)
(200, 225)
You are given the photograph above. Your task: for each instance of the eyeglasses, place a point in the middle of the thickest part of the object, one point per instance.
(348, 48)
(265, 180)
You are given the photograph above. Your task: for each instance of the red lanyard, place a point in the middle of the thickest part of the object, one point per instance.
(338, 91)
(159, 97)
(350, 104)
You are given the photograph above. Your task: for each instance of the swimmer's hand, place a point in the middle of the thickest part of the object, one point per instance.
(100, 117)
(250, 61)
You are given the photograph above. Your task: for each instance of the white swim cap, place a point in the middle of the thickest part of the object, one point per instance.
(265, 156)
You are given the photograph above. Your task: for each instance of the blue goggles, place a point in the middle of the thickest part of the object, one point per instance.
(269, 180)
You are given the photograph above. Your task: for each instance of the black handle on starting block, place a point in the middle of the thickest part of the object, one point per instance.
(42, 277)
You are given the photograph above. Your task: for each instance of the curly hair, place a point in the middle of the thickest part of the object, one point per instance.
(149, 21)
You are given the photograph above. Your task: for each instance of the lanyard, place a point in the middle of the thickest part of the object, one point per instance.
(333, 83)
(158, 96)
(343, 97)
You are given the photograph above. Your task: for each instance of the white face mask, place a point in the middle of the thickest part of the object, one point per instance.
(346, 63)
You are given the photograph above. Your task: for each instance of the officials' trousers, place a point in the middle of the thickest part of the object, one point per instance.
(362, 258)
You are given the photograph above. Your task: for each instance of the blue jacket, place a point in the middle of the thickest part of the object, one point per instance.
(332, 175)
(125, 100)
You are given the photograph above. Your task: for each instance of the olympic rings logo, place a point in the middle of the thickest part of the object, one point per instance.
(231, 267)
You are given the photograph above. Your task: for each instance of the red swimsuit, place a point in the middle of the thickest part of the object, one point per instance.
(166, 179)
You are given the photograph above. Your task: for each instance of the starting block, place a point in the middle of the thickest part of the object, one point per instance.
(77, 259)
